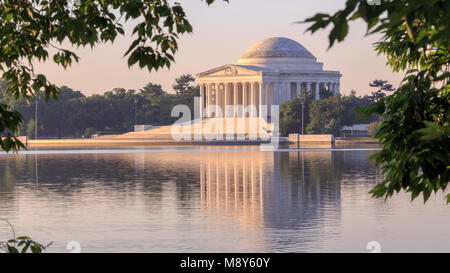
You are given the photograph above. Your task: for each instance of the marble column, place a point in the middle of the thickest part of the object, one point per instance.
(226, 107)
(262, 93)
(318, 90)
(202, 100)
(208, 91)
(276, 93)
(308, 87)
(205, 99)
(253, 99)
(244, 98)
(236, 99)
(299, 89)
(269, 97)
(218, 99)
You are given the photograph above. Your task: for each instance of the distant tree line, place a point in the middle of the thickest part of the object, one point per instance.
(74, 115)
(329, 114)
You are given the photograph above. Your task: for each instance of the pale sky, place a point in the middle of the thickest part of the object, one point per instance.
(222, 33)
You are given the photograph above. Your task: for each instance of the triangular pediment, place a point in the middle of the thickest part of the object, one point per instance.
(230, 70)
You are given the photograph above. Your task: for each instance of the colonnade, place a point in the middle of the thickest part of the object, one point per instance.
(244, 99)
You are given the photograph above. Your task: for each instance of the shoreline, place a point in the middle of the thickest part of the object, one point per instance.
(74, 143)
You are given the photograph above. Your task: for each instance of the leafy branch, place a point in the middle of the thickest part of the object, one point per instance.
(22, 244)
(415, 132)
(29, 28)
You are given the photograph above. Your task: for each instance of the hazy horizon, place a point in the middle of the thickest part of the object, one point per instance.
(222, 32)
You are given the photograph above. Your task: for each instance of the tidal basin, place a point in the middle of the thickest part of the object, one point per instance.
(213, 199)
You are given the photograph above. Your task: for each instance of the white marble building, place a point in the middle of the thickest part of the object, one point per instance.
(270, 72)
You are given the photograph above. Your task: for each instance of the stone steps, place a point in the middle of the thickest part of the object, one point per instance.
(206, 127)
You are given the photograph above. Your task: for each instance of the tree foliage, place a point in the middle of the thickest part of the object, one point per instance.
(291, 112)
(382, 87)
(29, 29)
(113, 112)
(324, 116)
(415, 132)
(329, 115)
(372, 128)
(183, 84)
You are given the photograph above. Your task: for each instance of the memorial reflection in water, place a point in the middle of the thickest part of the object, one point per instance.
(269, 189)
(265, 189)
(194, 199)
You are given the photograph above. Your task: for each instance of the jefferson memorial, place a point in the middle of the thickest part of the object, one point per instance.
(271, 72)
(237, 100)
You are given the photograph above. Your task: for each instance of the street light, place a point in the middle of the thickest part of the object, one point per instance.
(302, 101)
(135, 111)
(303, 110)
(35, 118)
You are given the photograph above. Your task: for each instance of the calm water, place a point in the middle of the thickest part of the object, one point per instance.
(211, 199)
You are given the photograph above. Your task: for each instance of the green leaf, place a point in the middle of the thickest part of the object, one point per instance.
(27, 245)
(12, 249)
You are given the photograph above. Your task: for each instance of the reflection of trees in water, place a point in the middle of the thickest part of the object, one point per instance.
(355, 162)
(306, 188)
(115, 173)
(7, 178)
(175, 175)
(288, 190)
(356, 170)
(10, 168)
(125, 178)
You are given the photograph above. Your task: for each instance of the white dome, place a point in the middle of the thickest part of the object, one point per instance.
(277, 47)
(281, 54)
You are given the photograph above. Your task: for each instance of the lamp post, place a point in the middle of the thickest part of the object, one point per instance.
(303, 110)
(302, 101)
(135, 111)
(35, 118)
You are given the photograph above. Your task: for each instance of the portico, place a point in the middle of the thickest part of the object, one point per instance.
(271, 72)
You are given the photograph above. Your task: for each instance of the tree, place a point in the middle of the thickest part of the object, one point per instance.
(89, 132)
(186, 91)
(415, 132)
(291, 114)
(183, 84)
(290, 117)
(151, 91)
(333, 127)
(314, 127)
(326, 115)
(383, 86)
(114, 112)
(30, 128)
(324, 93)
(29, 28)
(372, 128)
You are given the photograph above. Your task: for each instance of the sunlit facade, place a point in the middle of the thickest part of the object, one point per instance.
(271, 72)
